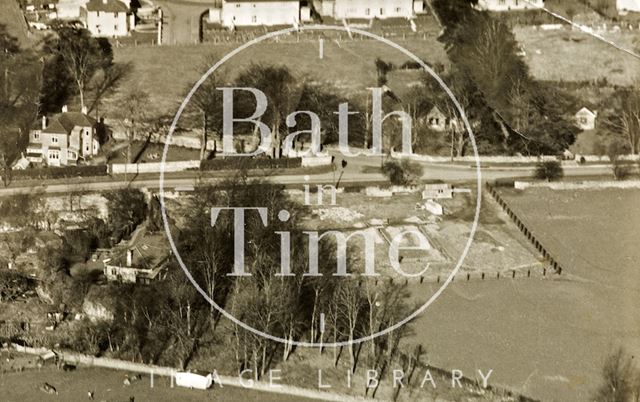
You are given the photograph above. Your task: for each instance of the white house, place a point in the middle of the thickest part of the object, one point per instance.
(509, 5)
(108, 18)
(237, 13)
(68, 138)
(368, 9)
(586, 119)
(624, 6)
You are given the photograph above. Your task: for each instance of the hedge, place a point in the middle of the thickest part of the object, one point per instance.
(239, 162)
(60, 172)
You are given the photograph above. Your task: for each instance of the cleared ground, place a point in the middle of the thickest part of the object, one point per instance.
(548, 339)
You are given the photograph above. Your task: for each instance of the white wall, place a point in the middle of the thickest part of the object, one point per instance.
(107, 24)
(507, 5)
(260, 13)
(373, 9)
(628, 5)
(69, 9)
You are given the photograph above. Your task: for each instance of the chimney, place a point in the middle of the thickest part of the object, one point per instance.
(129, 257)
(44, 122)
(84, 110)
(65, 109)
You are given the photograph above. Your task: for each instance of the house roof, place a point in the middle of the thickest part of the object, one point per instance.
(435, 111)
(149, 251)
(65, 122)
(107, 6)
(587, 111)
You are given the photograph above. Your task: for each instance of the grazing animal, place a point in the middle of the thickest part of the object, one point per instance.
(68, 367)
(49, 389)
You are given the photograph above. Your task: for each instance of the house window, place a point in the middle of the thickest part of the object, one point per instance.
(86, 148)
(54, 154)
(382, 11)
(97, 13)
(398, 9)
(36, 136)
(54, 140)
(254, 19)
(115, 27)
(583, 120)
(237, 5)
(367, 11)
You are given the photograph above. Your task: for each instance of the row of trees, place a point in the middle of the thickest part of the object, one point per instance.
(285, 93)
(515, 113)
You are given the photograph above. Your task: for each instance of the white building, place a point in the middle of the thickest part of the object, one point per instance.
(509, 5)
(586, 119)
(237, 13)
(624, 6)
(68, 138)
(368, 9)
(69, 9)
(108, 18)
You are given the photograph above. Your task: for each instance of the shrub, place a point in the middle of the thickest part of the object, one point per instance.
(402, 172)
(549, 171)
(60, 172)
(621, 171)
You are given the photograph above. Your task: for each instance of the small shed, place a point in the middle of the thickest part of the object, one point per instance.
(436, 120)
(194, 380)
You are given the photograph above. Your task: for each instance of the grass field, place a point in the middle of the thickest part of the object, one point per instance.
(108, 386)
(168, 72)
(574, 56)
(11, 17)
(548, 339)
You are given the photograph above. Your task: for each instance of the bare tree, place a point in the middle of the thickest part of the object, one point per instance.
(81, 56)
(351, 302)
(625, 121)
(134, 104)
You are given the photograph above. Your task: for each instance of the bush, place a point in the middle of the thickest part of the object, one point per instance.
(621, 171)
(549, 171)
(402, 172)
(240, 162)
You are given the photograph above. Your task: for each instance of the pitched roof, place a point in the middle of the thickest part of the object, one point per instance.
(587, 110)
(65, 122)
(435, 111)
(108, 6)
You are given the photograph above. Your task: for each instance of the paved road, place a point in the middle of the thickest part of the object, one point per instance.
(352, 174)
(182, 20)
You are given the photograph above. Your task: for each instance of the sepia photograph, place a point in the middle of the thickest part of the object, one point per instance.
(319, 200)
